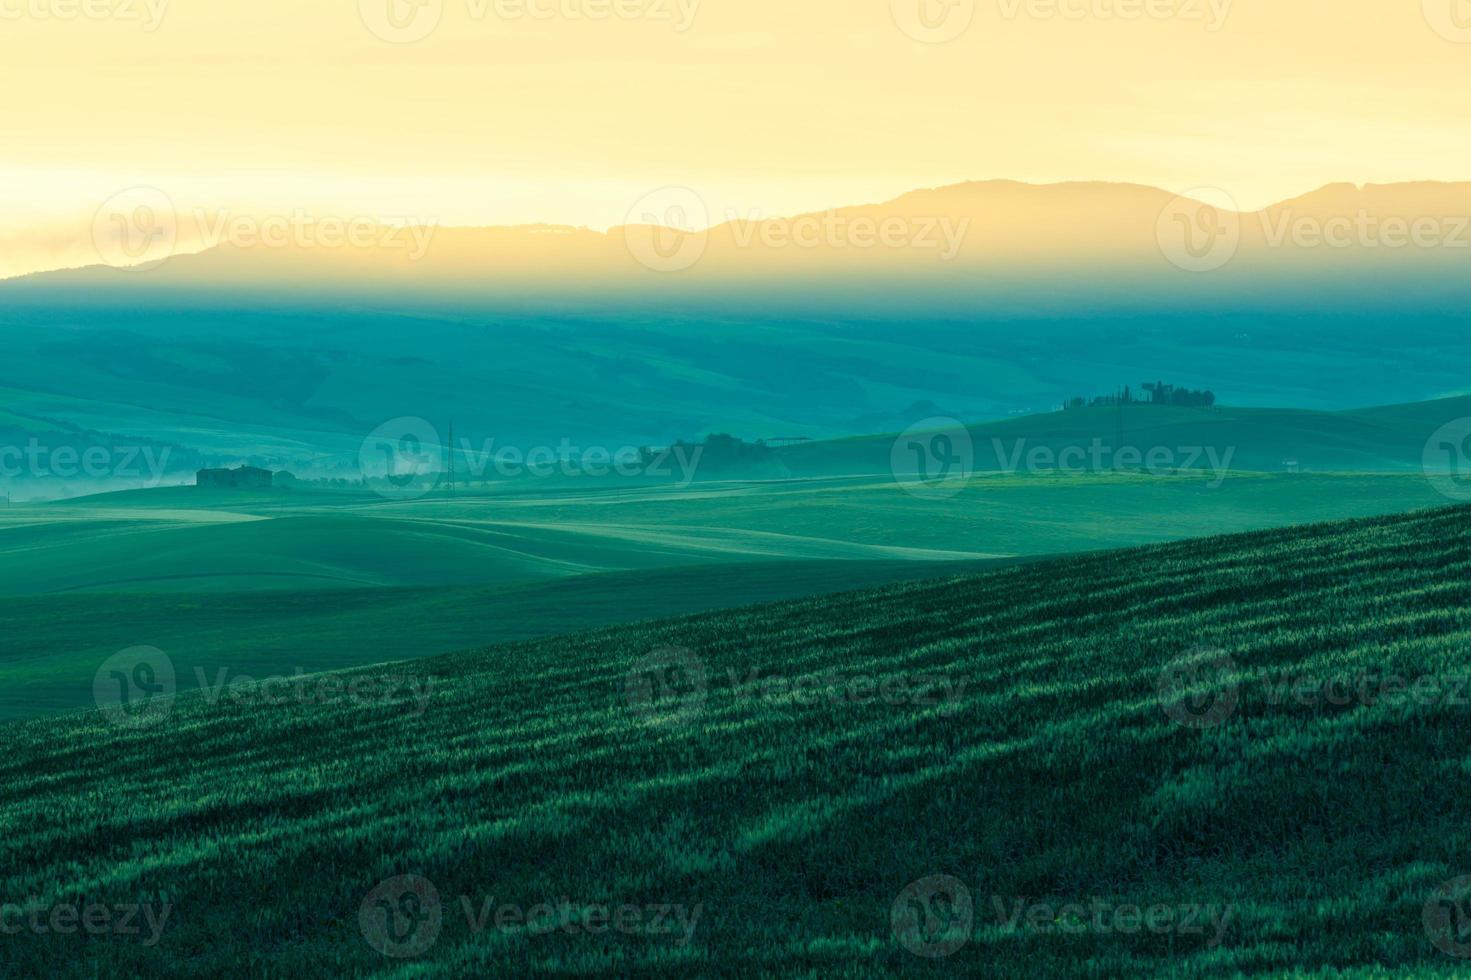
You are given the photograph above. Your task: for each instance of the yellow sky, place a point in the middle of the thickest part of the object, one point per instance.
(569, 111)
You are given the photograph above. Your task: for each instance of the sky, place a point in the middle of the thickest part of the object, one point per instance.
(471, 112)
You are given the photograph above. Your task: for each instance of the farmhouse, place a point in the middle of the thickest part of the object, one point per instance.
(240, 478)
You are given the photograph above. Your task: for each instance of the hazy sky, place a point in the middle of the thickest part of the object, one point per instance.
(511, 111)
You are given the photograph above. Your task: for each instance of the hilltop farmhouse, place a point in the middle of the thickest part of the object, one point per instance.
(241, 478)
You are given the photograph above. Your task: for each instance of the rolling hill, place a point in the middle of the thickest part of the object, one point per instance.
(1227, 756)
(1387, 439)
(273, 582)
(1095, 229)
(534, 335)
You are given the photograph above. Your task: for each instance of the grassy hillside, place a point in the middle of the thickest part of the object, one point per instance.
(1018, 769)
(302, 376)
(55, 643)
(186, 540)
(1387, 439)
(269, 583)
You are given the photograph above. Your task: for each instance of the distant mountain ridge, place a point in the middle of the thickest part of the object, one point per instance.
(535, 334)
(1010, 228)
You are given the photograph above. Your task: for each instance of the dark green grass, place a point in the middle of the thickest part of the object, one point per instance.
(54, 644)
(1056, 777)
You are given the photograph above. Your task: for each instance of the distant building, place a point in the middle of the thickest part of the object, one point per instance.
(240, 478)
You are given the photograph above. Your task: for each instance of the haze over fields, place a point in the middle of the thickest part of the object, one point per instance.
(735, 487)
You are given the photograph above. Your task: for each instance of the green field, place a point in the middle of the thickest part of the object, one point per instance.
(1071, 744)
(1388, 438)
(274, 582)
